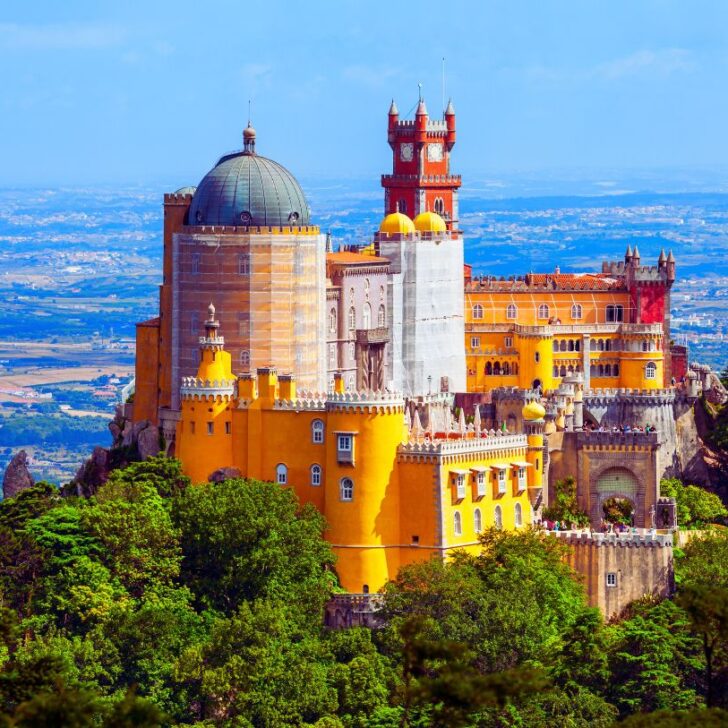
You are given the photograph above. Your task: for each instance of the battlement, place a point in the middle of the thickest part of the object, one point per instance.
(588, 438)
(365, 401)
(490, 443)
(305, 402)
(254, 229)
(177, 198)
(652, 397)
(416, 180)
(644, 538)
(194, 388)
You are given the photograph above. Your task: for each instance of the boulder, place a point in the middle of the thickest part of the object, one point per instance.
(17, 477)
(148, 442)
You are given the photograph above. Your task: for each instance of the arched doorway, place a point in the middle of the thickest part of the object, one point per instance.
(536, 384)
(618, 489)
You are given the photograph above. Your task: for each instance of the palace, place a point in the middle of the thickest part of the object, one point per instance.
(338, 371)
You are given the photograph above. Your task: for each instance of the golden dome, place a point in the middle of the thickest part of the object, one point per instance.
(430, 222)
(533, 411)
(397, 222)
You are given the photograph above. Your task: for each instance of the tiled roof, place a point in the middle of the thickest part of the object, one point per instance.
(549, 281)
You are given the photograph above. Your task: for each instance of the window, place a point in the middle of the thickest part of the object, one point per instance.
(498, 518)
(346, 489)
(281, 474)
(562, 371)
(508, 342)
(576, 311)
(645, 346)
(195, 263)
(352, 351)
(210, 428)
(480, 484)
(571, 345)
(228, 428)
(650, 370)
(192, 428)
(332, 356)
(332, 320)
(415, 540)
(367, 317)
(615, 370)
(611, 579)
(556, 370)
(537, 357)
(511, 311)
(521, 478)
(245, 359)
(460, 486)
(194, 323)
(439, 206)
(315, 475)
(381, 317)
(352, 318)
(317, 432)
(537, 463)
(501, 481)
(244, 264)
(556, 345)
(344, 443)
(477, 311)
(518, 515)
(543, 311)
(475, 342)
(615, 314)
(457, 524)
(477, 521)
(345, 448)
(402, 207)
(562, 345)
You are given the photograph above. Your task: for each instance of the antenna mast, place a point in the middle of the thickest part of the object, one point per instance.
(443, 85)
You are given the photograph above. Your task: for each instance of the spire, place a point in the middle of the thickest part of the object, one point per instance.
(670, 257)
(393, 110)
(450, 110)
(421, 108)
(628, 254)
(636, 255)
(476, 420)
(662, 258)
(461, 422)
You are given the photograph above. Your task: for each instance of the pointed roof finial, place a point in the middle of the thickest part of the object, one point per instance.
(636, 255)
(450, 110)
(670, 257)
(211, 312)
(628, 254)
(419, 91)
(393, 110)
(662, 257)
(421, 108)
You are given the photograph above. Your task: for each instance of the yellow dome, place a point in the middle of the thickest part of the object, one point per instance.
(533, 411)
(430, 222)
(397, 222)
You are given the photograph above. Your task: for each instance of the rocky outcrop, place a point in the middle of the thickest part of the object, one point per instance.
(17, 477)
(223, 474)
(132, 441)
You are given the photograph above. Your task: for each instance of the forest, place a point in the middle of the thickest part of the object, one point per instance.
(160, 603)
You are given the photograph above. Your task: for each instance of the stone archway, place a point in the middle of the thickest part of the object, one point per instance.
(616, 482)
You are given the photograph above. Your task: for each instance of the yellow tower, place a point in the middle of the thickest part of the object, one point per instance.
(362, 491)
(533, 423)
(204, 432)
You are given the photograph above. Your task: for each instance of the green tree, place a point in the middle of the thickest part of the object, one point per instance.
(696, 507)
(244, 540)
(565, 507)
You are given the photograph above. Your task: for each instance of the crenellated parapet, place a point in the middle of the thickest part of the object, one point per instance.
(645, 397)
(306, 402)
(494, 444)
(203, 389)
(596, 439)
(623, 540)
(367, 401)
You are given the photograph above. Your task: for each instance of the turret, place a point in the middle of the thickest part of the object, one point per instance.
(636, 257)
(392, 123)
(421, 122)
(450, 122)
(533, 423)
(670, 265)
(628, 255)
(662, 260)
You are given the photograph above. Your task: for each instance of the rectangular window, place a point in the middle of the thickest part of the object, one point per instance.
(509, 342)
(228, 428)
(244, 264)
(475, 342)
(501, 481)
(415, 540)
(192, 428)
(194, 324)
(480, 483)
(521, 478)
(611, 579)
(460, 486)
(195, 263)
(332, 356)
(345, 448)
(210, 428)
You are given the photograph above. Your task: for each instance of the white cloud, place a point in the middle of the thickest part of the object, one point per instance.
(60, 36)
(373, 77)
(663, 62)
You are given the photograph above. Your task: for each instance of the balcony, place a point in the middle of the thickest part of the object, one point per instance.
(372, 336)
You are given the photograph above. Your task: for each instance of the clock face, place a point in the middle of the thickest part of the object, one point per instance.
(406, 152)
(434, 152)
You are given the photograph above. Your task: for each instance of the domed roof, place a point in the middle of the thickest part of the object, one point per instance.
(430, 222)
(533, 411)
(397, 222)
(246, 189)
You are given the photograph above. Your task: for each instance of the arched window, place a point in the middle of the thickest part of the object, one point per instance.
(600, 344)
(244, 264)
(570, 369)
(317, 432)
(571, 345)
(381, 292)
(477, 311)
(332, 320)
(457, 523)
(281, 474)
(352, 318)
(556, 345)
(556, 370)
(315, 475)
(518, 516)
(543, 311)
(498, 518)
(511, 311)
(607, 370)
(615, 370)
(439, 206)
(593, 344)
(506, 368)
(576, 311)
(488, 368)
(600, 370)
(245, 359)
(593, 370)
(608, 345)
(536, 357)
(515, 368)
(645, 346)
(402, 207)
(366, 287)
(562, 371)
(650, 370)
(497, 369)
(562, 345)
(477, 521)
(577, 345)
(381, 317)
(367, 317)
(346, 489)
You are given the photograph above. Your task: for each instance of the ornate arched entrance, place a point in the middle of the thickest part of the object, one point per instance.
(616, 482)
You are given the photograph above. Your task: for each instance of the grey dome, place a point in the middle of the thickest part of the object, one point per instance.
(246, 189)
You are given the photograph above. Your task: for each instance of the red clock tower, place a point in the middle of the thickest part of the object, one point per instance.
(421, 178)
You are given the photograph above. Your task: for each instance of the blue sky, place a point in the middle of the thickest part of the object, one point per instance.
(141, 91)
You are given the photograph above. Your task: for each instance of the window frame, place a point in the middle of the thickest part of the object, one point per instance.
(281, 474)
(478, 521)
(316, 475)
(457, 523)
(543, 311)
(346, 492)
(478, 312)
(318, 429)
(511, 311)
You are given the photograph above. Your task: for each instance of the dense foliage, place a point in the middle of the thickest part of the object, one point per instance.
(565, 507)
(696, 507)
(160, 603)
